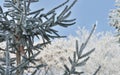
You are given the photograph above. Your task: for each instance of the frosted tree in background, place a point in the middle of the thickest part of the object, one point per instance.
(114, 16)
(106, 54)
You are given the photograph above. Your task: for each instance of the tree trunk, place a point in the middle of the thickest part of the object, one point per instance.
(18, 56)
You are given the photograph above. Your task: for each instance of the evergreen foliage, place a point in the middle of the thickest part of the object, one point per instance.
(77, 56)
(19, 26)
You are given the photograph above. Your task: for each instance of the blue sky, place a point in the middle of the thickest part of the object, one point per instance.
(87, 12)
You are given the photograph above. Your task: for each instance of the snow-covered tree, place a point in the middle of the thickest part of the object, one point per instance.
(106, 53)
(114, 16)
